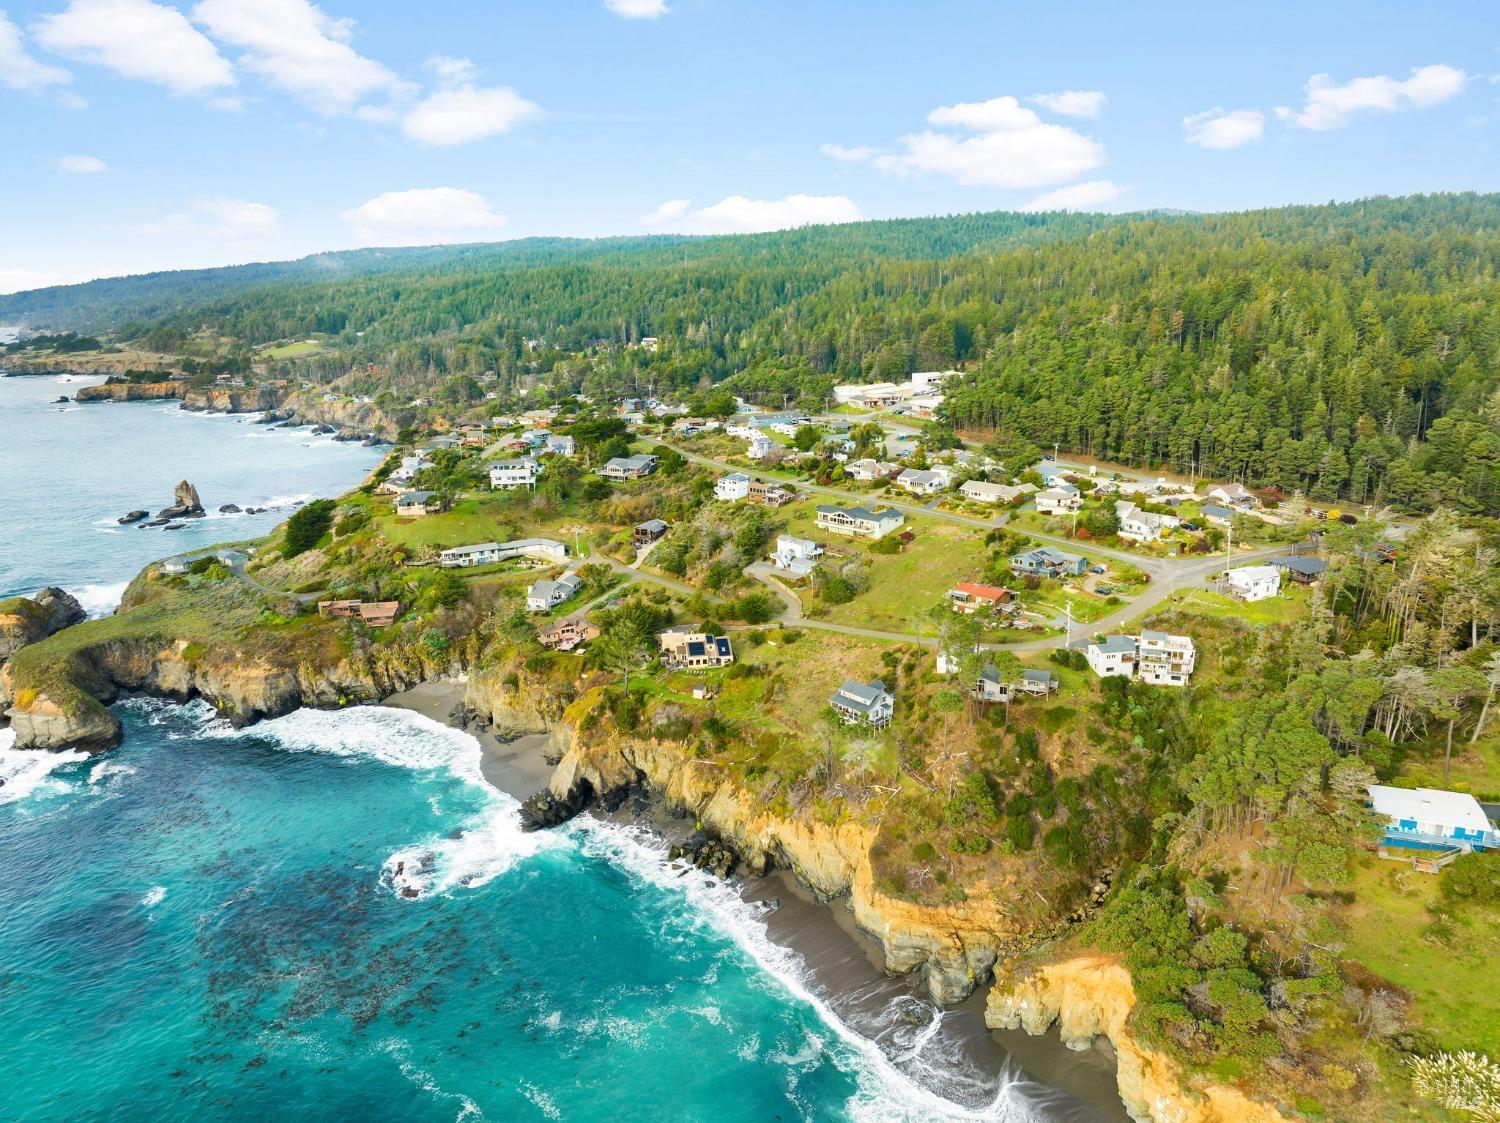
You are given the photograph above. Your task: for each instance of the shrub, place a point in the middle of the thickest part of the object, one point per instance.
(924, 851)
(307, 526)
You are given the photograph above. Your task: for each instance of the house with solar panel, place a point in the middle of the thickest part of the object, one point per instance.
(685, 650)
(863, 703)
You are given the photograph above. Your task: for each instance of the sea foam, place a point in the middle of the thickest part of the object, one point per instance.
(23, 773)
(100, 600)
(907, 1087)
(487, 843)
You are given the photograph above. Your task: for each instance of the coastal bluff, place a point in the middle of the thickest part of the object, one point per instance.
(131, 391)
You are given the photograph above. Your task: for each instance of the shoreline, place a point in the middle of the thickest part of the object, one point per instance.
(843, 966)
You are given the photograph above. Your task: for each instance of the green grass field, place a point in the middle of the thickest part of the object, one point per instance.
(294, 350)
(1283, 609)
(1453, 983)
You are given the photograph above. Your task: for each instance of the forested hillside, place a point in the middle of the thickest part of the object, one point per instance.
(1348, 350)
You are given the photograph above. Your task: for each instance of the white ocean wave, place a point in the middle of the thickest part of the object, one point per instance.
(887, 1093)
(101, 599)
(25, 772)
(486, 845)
(154, 896)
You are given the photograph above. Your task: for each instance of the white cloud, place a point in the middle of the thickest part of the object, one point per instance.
(1330, 106)
(221, 218)
(299, 48)
(18, 69)
(136, 39)
(739, 215)
(81, 165)
(451, 70)
(846, 154)
(638, 9)
(1224, 128)
(467, 113)
(1072, 103)
(1088, 196)
(985, 116)
(22, 280)
(423, 216)
(1011, 147)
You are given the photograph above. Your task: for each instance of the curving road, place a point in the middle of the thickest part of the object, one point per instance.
(1168, 575)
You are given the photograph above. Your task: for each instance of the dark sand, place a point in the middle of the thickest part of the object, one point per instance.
(959, 1057)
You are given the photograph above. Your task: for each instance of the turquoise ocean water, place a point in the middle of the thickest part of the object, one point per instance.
(210, 924)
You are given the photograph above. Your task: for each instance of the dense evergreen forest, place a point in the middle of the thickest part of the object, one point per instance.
(1348, 351)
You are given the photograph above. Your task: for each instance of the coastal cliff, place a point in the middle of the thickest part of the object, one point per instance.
(130, 392)
(1092, 996)
(69, 709)
(222, 399)
(954, 946)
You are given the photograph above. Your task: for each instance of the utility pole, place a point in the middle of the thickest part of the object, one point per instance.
(1068, 638)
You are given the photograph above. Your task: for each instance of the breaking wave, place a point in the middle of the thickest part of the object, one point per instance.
(909, 1086)
(486, 844)
(24, 773)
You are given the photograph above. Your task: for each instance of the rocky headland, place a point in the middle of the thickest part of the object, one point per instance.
(28, 620)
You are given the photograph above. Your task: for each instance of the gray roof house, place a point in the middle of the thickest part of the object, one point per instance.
(629, 467)
(867, 702)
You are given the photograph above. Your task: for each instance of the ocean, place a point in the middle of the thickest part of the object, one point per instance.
(333, 915)
(70, 471)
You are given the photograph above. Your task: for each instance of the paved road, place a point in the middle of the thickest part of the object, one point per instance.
(1168, 575)
(1156, 567)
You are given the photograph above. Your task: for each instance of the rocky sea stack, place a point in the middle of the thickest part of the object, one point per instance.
(25, 620)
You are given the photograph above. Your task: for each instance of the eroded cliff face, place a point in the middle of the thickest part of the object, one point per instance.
(954, 946)
(510, 704)
(130, 392)
(1090, 996)
(221, 399)
(243, 686)
(350, 417)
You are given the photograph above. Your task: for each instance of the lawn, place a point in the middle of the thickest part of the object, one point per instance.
(486, 517)
(294, 350)
(904, 586)
(1453, 984)
(1283, 609)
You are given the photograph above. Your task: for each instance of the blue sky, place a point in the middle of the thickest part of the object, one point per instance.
(141, 135)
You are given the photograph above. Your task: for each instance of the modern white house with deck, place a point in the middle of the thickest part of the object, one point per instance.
(508, 475)
(734, 486)
(488, 553)
(861, 521)
(798, 556)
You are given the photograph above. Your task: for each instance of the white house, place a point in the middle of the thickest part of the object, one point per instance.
(545, 594)
(507, 475)
(1060, 499)
(869, 470)
(759, 446)
(788, 429)
(734, 486)
(796, 555)
(860, 521)
(1143, 526)
(744, 432)
(1113, 655)
(629, 467)
(487, 553)
(1165, 660)
(981, 492)
(1235, 494)
(1152, 657)
(1252, 582)
(561, 445)
(869, 703)
(1428, 818)
(920, 482)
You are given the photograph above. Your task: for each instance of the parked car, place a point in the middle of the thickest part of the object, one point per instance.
(1104, 590)
(1096, 569)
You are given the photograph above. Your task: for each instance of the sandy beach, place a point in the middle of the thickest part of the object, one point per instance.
(843, 964)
